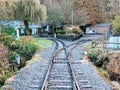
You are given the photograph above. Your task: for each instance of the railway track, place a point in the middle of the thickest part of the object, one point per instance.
(63, 72)
(82, 82)
(59, 75)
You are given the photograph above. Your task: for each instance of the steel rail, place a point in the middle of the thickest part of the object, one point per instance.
(75, 79)
(75, 83)
(44, 86)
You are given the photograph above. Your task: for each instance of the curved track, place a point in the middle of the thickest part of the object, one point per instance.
(62, 74)
(59, 75)
(82, 82)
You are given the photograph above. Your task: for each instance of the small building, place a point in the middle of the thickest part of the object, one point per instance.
(35, 28)
(103, 28)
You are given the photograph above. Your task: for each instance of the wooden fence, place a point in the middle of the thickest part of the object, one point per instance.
(103, 43)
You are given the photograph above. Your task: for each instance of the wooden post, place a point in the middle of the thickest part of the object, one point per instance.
(93, 44)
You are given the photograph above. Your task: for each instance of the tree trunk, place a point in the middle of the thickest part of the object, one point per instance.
(27, 32)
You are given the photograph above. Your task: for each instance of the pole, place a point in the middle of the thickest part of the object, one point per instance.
(72, 17)
(0, 30)
(72, 14)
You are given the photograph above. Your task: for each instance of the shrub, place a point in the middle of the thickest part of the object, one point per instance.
(94, 57)
(103, 60)
(93, 54)
(27, 47)
(76, 30)
(7, 40)
(116, 25)
(60, 32)
(12, 56)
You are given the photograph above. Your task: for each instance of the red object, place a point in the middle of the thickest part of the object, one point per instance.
(86, 57)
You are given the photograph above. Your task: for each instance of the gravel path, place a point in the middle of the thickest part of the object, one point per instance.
(32, 75)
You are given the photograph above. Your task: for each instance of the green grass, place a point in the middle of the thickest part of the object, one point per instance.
(44, 43)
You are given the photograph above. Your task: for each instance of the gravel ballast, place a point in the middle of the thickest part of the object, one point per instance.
(89, 71)
(32, 75)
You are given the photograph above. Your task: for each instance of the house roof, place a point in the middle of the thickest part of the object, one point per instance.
(103, 24)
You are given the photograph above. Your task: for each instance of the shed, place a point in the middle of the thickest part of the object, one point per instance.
(103, 28)
(35, 28)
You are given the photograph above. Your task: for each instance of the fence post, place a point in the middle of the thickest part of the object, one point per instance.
(93, 44)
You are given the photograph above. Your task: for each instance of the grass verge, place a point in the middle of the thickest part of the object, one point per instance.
(44, 43)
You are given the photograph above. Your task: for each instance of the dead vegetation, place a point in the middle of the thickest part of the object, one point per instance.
(114, 66)
(109, 62)
(73, 29)
(3, 63)
(6, 69)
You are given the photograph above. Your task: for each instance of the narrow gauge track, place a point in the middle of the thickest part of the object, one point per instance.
(59, 75)
(76, 44)
(82, 82)
(62, 75)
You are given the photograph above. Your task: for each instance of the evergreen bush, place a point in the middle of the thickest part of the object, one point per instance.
(93, 56)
